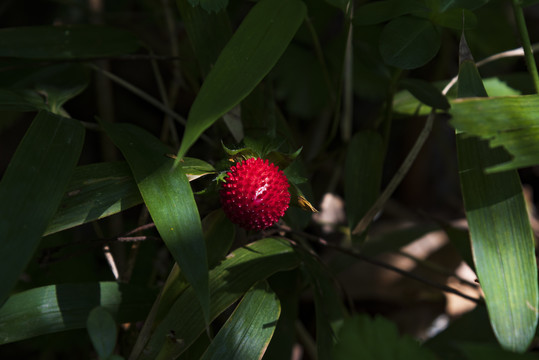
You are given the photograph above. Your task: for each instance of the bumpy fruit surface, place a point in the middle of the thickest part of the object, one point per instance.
(255, 194)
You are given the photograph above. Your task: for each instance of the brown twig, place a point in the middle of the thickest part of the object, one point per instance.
(47, 255)
(354, 253)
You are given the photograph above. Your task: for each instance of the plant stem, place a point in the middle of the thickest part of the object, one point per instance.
(526, 44)
(388, 113)
(397, 178)
(321, 59)
(348, 74)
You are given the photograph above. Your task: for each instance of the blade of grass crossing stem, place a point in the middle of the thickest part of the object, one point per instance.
(501, 236)
(170, 201)
(32, 188)
(219, 233)
(228, 282)
(247, 332)
(250, 54)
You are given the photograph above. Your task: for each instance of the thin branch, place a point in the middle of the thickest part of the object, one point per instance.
(359, 256)
(439, 269)
(168, 124)
(397, 178)
(150, 99)
(47, 255)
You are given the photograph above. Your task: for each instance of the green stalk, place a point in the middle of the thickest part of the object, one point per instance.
(526, 44)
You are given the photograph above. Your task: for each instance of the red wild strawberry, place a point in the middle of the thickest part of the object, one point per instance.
(255, 194)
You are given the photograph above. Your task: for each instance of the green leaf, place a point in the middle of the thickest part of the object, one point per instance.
(427, 93)
(405, 103)
(95, 191)
(170, 201)
(65, 42)
(250, 54)
(32, 188)
(381, 11)
(329, 310)
(195, 168)
(457, 19)
(210, 5)
(408, 42)
(510, 122)
(219, 233)
(472, 326)
(21, 100)
(228, 282)
(364, 338)
(492, 352)
(363, 174)
(102, 330)
(502, 239)
(54, 308)
(461, 4)
(201, 26)
(41, 88)
(286, 285)
(247, 332)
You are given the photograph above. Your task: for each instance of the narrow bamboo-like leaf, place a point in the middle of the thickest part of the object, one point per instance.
(54, 308)
(329, 309)
(491, 351)
(95, 191)
(247, 332)
(201, 26)
(228, 282)
(427, 93)
(405, 103)
(195, 168)
(286, 285)
(210, 5)
(408, 42)
(41, 87)
(219, 233)
(363, 174)
(466, 4)
(501, 236)
(102, 331)
(32, 188)
(65, 42)
(170, 201)
(250, 54)
(510, 122)
(364, 338)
